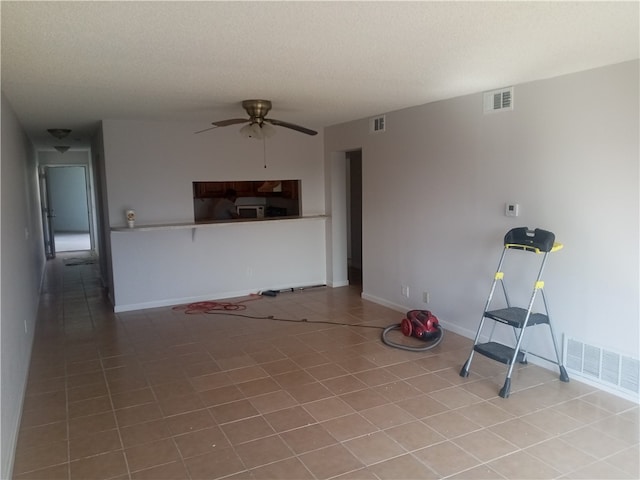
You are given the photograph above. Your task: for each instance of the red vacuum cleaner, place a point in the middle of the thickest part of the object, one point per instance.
(420, 324)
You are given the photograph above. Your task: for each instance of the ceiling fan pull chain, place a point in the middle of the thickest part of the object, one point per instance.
(264, 151)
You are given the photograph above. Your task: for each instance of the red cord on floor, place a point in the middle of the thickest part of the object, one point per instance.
(210, 306)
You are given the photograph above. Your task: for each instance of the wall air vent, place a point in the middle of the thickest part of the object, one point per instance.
(377, 124)
(604, 367)
(498, 100)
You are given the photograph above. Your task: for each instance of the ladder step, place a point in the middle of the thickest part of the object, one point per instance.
(498, 352)
(515, 317)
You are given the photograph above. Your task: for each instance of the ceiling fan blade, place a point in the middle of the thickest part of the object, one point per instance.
(205, 130)
(231, 121)
(292, 126)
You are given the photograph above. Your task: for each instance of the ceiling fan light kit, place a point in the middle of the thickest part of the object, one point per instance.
(59, 133)
(259, 127)
(267, 130)
(62, 148)
(257, 131)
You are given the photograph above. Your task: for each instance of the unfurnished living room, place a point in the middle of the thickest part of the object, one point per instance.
(321, 240)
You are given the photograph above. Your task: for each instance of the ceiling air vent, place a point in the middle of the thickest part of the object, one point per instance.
(498, 100)
(377, 124)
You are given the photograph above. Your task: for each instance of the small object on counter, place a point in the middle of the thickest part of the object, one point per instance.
(131, 218)
(269, 293)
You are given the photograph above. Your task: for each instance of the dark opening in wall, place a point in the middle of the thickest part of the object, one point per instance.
(258, 199)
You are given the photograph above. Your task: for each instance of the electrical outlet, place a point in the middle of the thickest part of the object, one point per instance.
(26, 327)
(405, 291)
(425, 297)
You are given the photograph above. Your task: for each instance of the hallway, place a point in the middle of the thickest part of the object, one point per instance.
(164, 394)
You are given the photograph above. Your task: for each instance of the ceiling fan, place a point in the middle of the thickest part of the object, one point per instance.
(258, 126)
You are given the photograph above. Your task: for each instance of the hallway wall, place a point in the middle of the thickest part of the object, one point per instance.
(22, 267)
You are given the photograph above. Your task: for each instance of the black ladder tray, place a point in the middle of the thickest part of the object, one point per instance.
(498, 352)
(515, 317)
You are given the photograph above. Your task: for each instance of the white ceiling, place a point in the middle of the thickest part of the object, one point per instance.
(71, 64)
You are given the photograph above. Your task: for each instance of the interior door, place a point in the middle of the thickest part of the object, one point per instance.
(47, 214)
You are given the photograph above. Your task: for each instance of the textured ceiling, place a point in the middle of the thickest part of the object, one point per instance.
(71, 64)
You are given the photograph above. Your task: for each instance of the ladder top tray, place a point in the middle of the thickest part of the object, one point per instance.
(537, 240)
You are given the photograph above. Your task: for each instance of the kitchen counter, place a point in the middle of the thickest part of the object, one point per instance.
(172, 264)
(213, 223)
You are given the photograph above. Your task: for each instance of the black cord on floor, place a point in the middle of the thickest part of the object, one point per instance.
(302, 320)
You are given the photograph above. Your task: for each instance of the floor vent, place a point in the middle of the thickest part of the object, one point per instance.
(378, 124)
(498, 100)
(602, 366)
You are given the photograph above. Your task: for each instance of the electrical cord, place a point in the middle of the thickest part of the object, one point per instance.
(210, 306)
(295, 320)
(409, 348)
(225, 308)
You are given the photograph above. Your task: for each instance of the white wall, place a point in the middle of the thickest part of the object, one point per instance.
(150, 167)
(169, 267)
(22, 266)
(436, 182)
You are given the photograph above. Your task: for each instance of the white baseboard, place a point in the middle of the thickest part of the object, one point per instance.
(385, 303)
(170, 302)
(404, 309)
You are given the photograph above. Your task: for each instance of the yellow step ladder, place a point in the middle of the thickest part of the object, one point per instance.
(536, 241)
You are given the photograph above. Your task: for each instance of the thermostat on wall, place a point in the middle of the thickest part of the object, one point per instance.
(512, 209)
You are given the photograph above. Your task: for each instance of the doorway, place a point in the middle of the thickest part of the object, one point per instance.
(65, 207)
(354, 217)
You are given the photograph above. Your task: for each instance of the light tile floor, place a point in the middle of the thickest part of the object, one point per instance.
(164, 394)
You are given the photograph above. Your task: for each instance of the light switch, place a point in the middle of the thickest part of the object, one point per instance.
(512, 210)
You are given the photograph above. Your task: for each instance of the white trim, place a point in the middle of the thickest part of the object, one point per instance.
(204, 298)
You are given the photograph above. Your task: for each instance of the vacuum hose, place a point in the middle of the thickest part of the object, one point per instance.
(397, 326)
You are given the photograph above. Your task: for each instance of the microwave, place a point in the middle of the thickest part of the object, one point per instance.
(250, 211)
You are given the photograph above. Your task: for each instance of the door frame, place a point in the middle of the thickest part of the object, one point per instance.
(337, 209)
(74, 158)
(46, 213)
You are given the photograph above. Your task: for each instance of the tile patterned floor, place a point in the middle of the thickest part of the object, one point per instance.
(163, 394)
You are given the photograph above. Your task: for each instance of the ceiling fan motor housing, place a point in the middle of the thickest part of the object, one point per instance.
(257, 109)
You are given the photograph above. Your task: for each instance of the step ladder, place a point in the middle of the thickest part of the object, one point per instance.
(540, 242)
